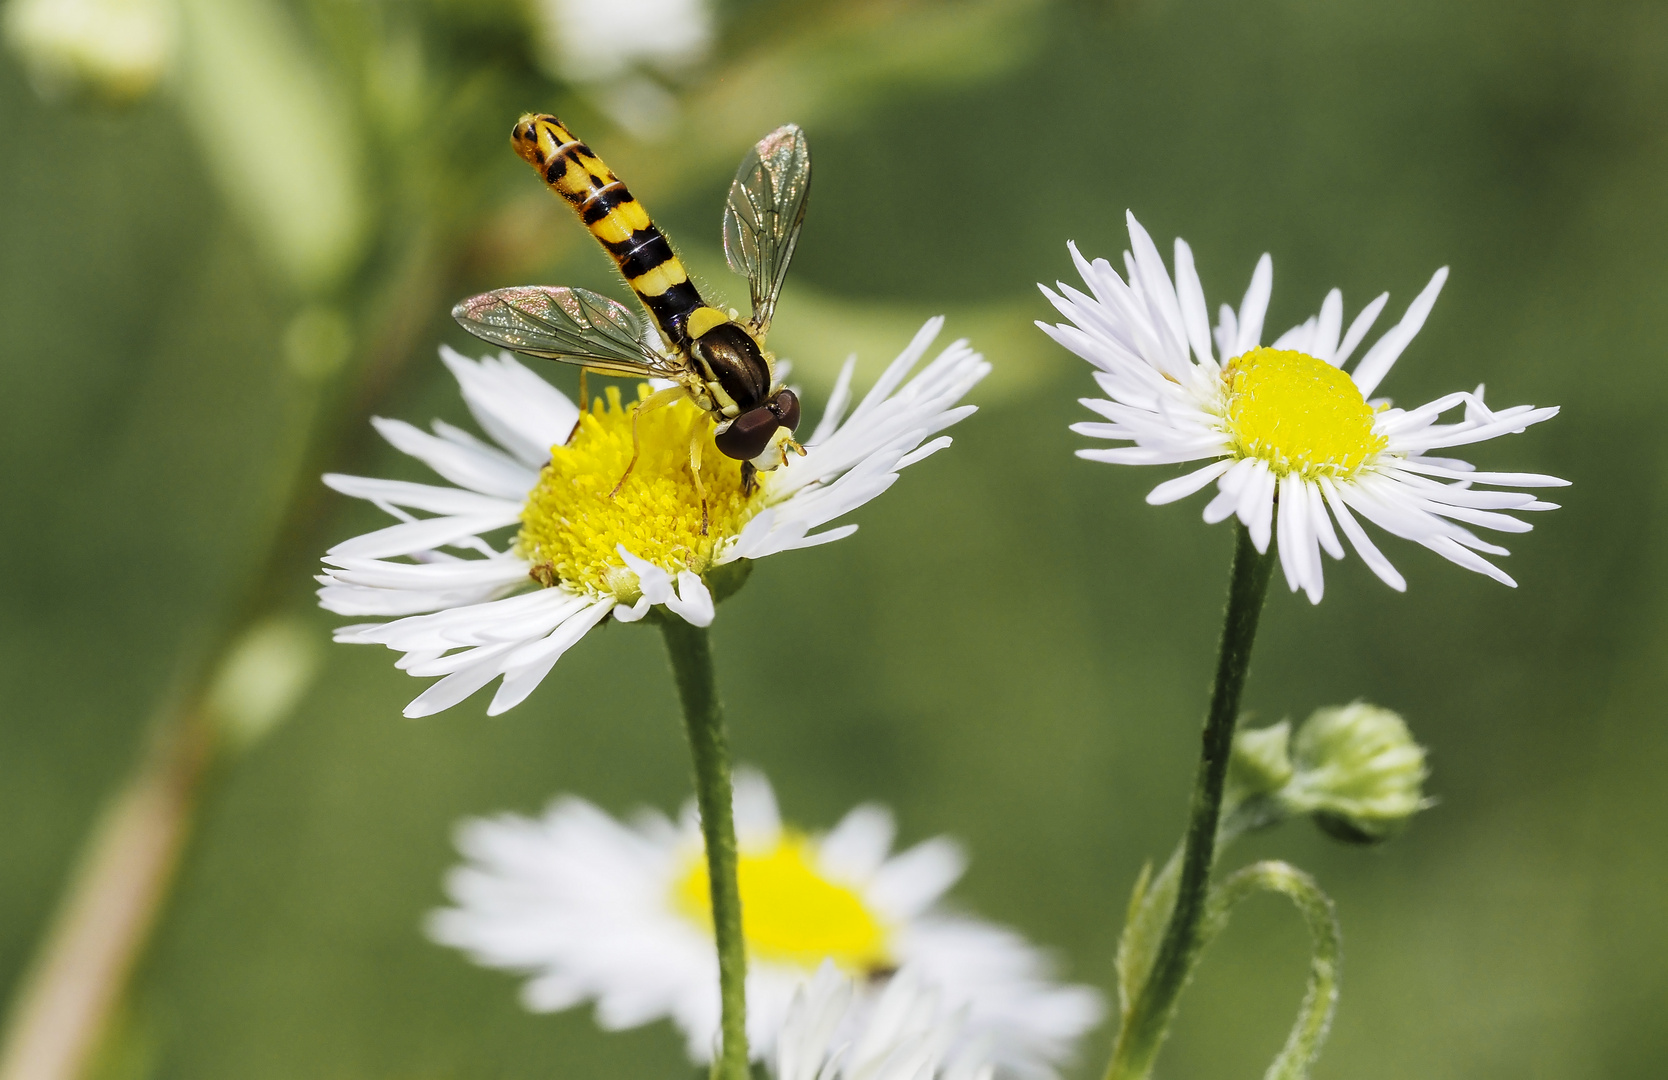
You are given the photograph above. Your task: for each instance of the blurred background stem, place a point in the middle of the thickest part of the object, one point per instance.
(110, 907)
(1148, 1018)
(690, 650)
(66, 1002)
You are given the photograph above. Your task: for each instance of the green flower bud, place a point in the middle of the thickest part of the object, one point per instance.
(1261, 763)
(1259, 768)
(1358, 772)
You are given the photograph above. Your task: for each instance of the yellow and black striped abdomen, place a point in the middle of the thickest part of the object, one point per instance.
(615, 218)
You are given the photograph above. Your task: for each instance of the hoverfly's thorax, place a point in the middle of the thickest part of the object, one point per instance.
(730, 361)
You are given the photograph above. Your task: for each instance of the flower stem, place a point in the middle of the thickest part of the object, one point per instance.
(1148, 1019)
(691, 656)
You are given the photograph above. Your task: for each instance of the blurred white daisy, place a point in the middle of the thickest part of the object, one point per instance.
(831, 1033)
(582, 553)
(120, 47)
(1284, 425)
(599, 40)
(593, 909)
(609, 48)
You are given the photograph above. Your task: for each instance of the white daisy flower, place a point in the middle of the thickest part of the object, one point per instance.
(613, 49)
(120, 47)
(1284, 424)
(829, 1034)
(594, 909)
(593, 40)
(581, 553)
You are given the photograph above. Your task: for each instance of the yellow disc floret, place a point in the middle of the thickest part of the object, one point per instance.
(1299, 414)
(790, 912)
(572, 527)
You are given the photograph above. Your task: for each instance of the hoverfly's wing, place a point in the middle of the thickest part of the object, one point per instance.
(765, 210)
(572, 325)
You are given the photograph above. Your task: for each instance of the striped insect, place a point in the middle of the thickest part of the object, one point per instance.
(710, 356)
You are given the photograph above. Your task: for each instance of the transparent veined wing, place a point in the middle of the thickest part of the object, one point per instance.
(762, 219)
(558, 323)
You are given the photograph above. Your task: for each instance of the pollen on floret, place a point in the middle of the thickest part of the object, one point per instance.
(790, 911)
(1299, 414)
(571, 529)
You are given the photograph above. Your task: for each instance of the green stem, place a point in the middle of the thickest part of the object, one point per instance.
(1314, 1016)
(691, 656)
(1148, 1019)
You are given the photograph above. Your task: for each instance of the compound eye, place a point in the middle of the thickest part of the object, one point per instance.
(748, 434)
(786, 407)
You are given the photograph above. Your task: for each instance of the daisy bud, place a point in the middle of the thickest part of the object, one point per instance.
(1358, 773)
(1259, 769)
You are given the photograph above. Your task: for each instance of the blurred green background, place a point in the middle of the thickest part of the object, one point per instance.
(1014, 649)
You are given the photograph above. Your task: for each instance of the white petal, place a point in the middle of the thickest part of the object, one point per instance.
(476, 468)
(914, 880)
(758, 822)
(1183, 486)
(857, 847)
(1323, 522)
(1358, 329)
(427, 497)
(1327, 328)
(528, 666)
(692, 602)
(523, 413)
(1375, 560)
(654, 581)
(454, 688)
(1376, 364)
(1191, 296)
(1254, 307)
(408, 538)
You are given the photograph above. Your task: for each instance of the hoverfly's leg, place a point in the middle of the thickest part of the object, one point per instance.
(653, 401)
(695, 471)
(584, 406)
(748, 478)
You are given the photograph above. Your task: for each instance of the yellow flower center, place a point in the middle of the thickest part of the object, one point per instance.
(790, 912)
(571, 526)
(1299, 414)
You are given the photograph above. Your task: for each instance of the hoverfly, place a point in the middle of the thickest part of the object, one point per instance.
(710, 356)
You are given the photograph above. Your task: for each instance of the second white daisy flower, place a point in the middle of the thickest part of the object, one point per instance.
(591, 908)
(1284, 424)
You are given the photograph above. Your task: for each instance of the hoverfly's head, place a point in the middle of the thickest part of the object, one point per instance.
(535, 138)
(763, 435)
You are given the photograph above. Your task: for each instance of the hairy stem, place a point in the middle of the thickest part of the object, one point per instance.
(1148, 1019)
(691, 655)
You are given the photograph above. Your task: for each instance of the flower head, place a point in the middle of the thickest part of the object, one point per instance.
(583, 550)
(595, 909)
(1284, 425)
